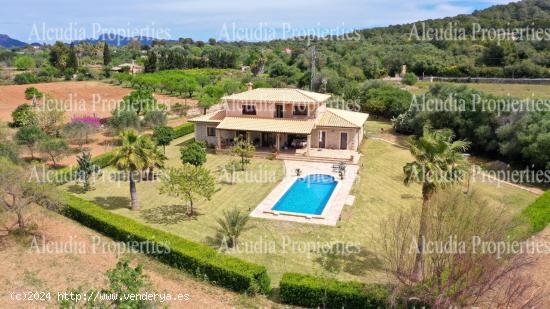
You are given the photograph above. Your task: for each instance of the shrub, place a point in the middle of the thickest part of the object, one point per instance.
(155, 118)
(26, 78)
(94, 122)
(10, 151)
(124, 119)
(385, 100)
(23, 116)
(310, 291)
(538, 213)
(32, 92)
(30, 136)
(78, 132)
(409, 79)
(198, 259)
(69, 173)
(184, 129)
(24, 62)
(54, 149)
(163, 136)
(193, 153)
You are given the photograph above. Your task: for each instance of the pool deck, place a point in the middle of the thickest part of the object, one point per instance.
(331, 213)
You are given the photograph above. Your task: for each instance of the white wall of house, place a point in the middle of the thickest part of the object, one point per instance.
(333, 136)
(201, 132)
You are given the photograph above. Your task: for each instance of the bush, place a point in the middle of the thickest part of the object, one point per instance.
(124, 119)
(26, 78)
(409, 79)
(385, 100)
(310, 291)
(32, 92)
(23, 116)
(24, 62)
(193, 153)
(163, 136)
(184, 129)
(198, 259)
(69, 173)
(154, 119)
(538, 213)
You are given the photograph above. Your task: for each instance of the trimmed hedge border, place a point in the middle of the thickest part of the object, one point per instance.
(184, 129)
(538, 213)
(197, 259)
(309, 291)
(67, 174)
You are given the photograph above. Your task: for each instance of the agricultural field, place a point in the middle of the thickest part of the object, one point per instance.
(379, 192)
(78, 98)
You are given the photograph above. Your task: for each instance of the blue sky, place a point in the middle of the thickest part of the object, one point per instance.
(47, 21)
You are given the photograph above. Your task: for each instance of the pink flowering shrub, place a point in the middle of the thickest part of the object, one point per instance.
(92, 121)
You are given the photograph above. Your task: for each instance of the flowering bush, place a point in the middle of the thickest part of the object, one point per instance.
(90, 120)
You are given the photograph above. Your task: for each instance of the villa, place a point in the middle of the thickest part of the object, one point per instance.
(284, 121)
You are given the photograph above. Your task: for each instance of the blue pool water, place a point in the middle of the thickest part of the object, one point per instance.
(307, 195)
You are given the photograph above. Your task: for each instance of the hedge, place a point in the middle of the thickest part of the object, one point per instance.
(67, 174)
(309, 291)
(197, 259)
(538, 213)
(184, 129)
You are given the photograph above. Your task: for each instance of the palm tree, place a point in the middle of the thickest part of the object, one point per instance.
(231, 226)
(438, 164)
(155, 160)
(133, 156)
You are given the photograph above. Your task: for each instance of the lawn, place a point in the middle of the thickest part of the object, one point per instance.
(285, 246)
(514, 90)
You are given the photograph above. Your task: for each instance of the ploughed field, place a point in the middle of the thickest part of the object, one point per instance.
(77, 98)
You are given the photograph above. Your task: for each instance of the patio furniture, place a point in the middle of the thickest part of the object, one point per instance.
(339, 168)
(298, 143)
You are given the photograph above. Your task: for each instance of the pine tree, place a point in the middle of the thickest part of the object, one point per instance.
(72, 61)
(106, 54)
(151, 63)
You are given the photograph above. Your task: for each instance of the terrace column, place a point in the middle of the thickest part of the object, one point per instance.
(308, 146)
(218, 139)
(277, 142)
(248, 136)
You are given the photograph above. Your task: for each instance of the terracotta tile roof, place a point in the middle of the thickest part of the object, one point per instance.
(267, 125)
(214, 117)
(342, 119)
(279, 95)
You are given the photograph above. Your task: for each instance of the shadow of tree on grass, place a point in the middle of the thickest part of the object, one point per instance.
(354, 260)
(77, 189)
(167, 214)
(113, 202)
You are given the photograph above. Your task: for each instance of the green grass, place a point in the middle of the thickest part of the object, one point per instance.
(379, 192)
(514, 90)
(538, 213)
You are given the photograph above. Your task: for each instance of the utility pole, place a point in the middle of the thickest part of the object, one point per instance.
(312, 78)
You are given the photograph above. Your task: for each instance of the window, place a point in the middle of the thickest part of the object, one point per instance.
(210, 131)
(300, 110)
(249, 109)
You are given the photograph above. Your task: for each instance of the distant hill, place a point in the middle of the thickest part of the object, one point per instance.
(117, 40)
(7, 42)
(534, 13)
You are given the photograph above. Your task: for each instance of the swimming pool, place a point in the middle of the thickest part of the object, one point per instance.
(307, 195)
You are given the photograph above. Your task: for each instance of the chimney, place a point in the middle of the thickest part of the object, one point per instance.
(249, 86)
